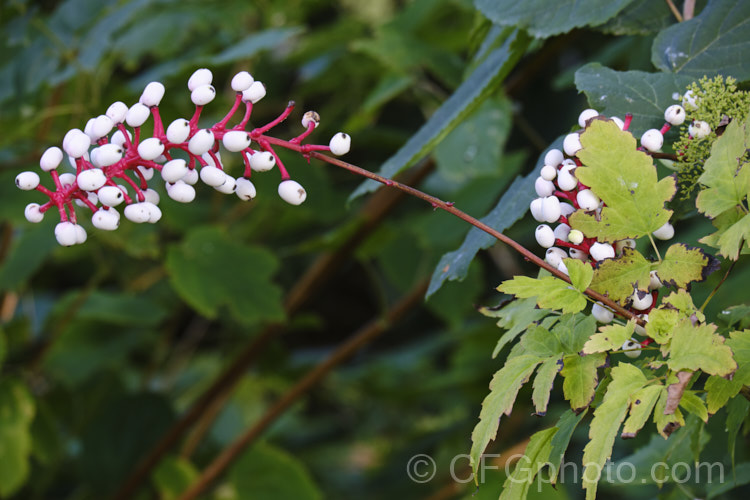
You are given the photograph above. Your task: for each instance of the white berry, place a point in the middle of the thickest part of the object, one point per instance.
(544, 236)
(228, 186)
(118, 138)
(200, 77)
(236, 140)
(110, 196)
(146, 172)
(27, 180)
(91, 179)
(674, 115)
(544, 187)
(117, 111)
(551, 209)
(586, 115)
(292, 192)
(242, 81)
(106, 155)
(565, 178)
(212, 176)
(620, 124)
(665, 232)
(562, 268)
(536, 209)
(201, 142)
(553, 256)
(566, 209)
(631, 348)
(262, 161)
(191, 177)
(174, 170)
(587, 200)
(575, 236)
(572, 144)
(254, 93)
(601, 313)
(137, 212)
(654, 281)
(562, 231)
(548, 172)
(623, 244)
(178, 131)
(245, 189)
(101, 126)
(106, 219)
(32, 213)
(181, 191)
(66, 233)
(67, 179)
(554, 157)
(152, 94)
(652, 140)
(690, 100)
(699, 129)
(78, 144)
(137, 115)
(340, 143)
(578, 254)
(203, 95)
(150, 149)
(642, 300)
(601, 251)
(51, 158)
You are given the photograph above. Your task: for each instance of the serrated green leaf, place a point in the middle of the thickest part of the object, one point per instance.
(541, 343)
(503, 390)
(543, 19)
(173, 476)
(719, 391)
(627, 379)
(683, 264)
(535, 456)
(516, 316)
(543, 381)
(737, 411)
(625, 179)
(560, 441)
(581, 378)
(683, 302)
(640, 17)
(16, 414)
(666, 424)
(482, 81)
(209, 270)
(619, 277)
(713, 41)
(573, 330)
(739, 342)
(644, 95)
(550, 293)
(580, 273)
(265, 471)
(698, 347)
(611, 337)
(691, 403)
(641, 405)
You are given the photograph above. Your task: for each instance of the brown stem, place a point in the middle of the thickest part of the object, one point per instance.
(674, 10)
(362, 337)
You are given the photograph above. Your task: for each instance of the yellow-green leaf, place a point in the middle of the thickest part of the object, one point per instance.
(550, 293)
(641, 405)
(609, 338)
(535, 457)
(617, 278)
(16, 414)
(580, 273)
(543, 381)
(719, 391)
(683, 264)
(698, 347)
(691, 403)
(581, 378)
(666, 424)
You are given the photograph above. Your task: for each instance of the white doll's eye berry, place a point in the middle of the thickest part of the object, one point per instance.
(638, 328)
(201, 142)
(210, 159)
(182, 192)
(200, 77)
(203, 95)
(80, 234)
(146, 172)
(575, 236)
(642, 300)
(236, 140)
(262, 161)
(665, 232)
(78, 144)
(310, 117)
(137, 115)
(27, 180)
(562, 231)
(51, 159)
(548, 173)
(699, 129)
(578, 254)
(654, 281)
(228, 186)
(623, 244)
(213, 176)
(674, 115)
(536, 209)
(150, 149)
(174, 170)
(292, 192)
(106, 155)
(340, 144)
(601, 251)
(137, 212)
(110, 196)
(554, 157)
(551, 209)
(67, 179)
(652, 140)
(620, 124)
(32, 213)
(101, 126)
(544, 236)
(117, 111)
(587, 200)
(566, 181)
(152, 94)
(543, 187)
(178, 131)
(106, 219)
(118, 138)
(154, 212)
(191, 177)
(91, 179)
(602, 314)
(563, 268)
(151, 196)
(631, 348)
(242, 81)
(66, 234)
(254, 93)
(585, 116)
(244, 189)
(572, 144)
(91, 197)
(553, 256)
(566, 209)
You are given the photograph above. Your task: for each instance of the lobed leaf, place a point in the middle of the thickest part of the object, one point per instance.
(683, 264)
(619, 277)
(535, 457)
(611, 337)
(543, 381)
(581, 378)
(16, 414)
(550, 293)
(515, 316)
(580, 273)
(691, 403)
(641, 405)
(698, 347)
(719, 391)
(560, 441)
(666, 423)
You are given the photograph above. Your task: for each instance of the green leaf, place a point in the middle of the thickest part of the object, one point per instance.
(540, 342)
(640, 17)
(736, 413)
(467, 97)
(683, 264)
(739, 342)
(121, 309)
(543, 381)
(503, 390)
(550, 292)
(719, 391)
(627, 379)
(741, 478)
(581, 378)
(252, 44)
(644, 95)
(265, 472)
(625, 179)
(699, 348)
(16, 414)
(173, 476)
(641, 405)
(619, 277)
(543, 19)
(515, 316)
(560, 441)
(712, 42)
(580, 273)
(474, 148)
(3, 347)
(535, 457)
(27, 253)
(691, 403)
(666, 424)
(209, 270)
(611, 337)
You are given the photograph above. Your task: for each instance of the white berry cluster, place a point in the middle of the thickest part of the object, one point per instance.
(560, 194)
(112, 163)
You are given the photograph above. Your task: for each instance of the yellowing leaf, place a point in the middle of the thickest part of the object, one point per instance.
(543, 381)
(739, 342)
(581, 378)
(16, 413)
(627, 379)
(535, 457)
(695, 405)
(618, 277)
(719, 391)
(641, 405)
(610, 337)
(550, 293)
(683, 264)
(580, 273)
(625, 179)
(699, 348)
